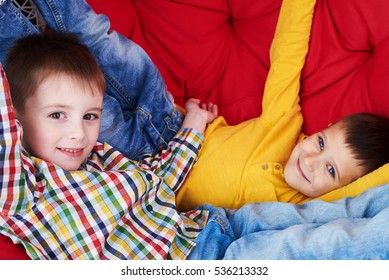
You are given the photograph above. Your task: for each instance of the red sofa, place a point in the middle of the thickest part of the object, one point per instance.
(218, 51)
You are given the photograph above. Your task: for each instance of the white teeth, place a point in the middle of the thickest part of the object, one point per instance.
(70, 150)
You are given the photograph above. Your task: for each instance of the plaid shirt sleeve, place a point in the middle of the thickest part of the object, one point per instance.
(15, 170)
(166, 165)
(172, 164)
(112, 209)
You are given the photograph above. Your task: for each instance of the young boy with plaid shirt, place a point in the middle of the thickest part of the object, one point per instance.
(63, 195)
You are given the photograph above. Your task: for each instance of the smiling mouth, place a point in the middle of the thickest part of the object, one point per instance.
(301, 171)
(71, 152)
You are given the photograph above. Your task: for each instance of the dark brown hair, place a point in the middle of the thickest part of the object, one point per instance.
(367, 135)
(34, 57)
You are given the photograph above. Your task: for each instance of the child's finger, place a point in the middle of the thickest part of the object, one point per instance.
(195, 100)
(214, 109)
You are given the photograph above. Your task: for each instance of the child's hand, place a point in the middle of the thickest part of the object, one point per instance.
(198, 115)
(208, 111)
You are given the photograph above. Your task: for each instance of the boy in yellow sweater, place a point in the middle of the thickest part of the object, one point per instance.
(268, 158)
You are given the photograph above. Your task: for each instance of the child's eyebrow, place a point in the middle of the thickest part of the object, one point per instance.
(64, 107)
(56, 106)
(96, 109)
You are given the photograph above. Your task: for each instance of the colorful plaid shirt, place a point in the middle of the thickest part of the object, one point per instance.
(113, 208)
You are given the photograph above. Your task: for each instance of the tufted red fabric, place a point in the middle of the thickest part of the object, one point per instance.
(218, 51)
(207, 49)
(347, 67)
(10, 251)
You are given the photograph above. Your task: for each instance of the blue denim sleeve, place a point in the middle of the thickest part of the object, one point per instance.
(13, 25)
(351, 228)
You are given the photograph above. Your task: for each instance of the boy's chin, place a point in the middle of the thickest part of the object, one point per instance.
(70, 166)
(293, 182)
(288, 174)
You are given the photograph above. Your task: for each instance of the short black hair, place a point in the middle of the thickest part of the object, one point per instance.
(367, 135)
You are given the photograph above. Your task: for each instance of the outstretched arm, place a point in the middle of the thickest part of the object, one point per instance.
(175, 162)
(16, 169)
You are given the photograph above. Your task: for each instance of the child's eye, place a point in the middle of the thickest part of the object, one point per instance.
(331, 170)
(57, 115)
(321, 143)
(91, 117)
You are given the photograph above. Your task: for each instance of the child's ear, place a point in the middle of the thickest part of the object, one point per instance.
(19, 124)
(17, 116)
(21, 128)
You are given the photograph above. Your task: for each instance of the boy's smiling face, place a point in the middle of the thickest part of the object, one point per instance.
(321, 163)
(61, 121)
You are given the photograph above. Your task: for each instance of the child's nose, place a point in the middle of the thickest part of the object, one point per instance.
(311, 161)
(77, 131)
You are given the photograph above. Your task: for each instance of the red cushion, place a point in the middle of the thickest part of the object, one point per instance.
(10, 251)
(347, 65)
(210, 50)
(218, 51)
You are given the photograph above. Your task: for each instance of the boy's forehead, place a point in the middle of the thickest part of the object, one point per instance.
(336, 129)
(335, 136)
(65, 89)
(342, 154)
(71, 81)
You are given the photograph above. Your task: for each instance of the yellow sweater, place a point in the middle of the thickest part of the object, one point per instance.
(244, 163)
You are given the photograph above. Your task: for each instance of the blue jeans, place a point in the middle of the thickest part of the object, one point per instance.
(351, 228)
(12, 25)
(139, 116)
